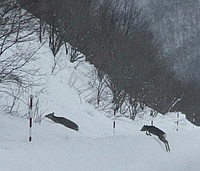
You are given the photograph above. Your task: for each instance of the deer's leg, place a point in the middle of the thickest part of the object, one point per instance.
(148, 133)
(167, 145)
(165, 142)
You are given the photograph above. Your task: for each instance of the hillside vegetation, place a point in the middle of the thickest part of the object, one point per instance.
(131, 69)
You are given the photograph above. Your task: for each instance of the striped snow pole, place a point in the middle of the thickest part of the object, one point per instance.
(152, 115)
(30, 116)
(193, 120)
(114, 121)
(177, 121)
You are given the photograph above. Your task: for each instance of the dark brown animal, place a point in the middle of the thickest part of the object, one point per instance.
(156, 131)
(63, 121)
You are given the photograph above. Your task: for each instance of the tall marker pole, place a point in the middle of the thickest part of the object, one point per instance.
(152, 115)
(177, 121)
(193, 120)
(114, 123)
(115, 108)
(30, 116)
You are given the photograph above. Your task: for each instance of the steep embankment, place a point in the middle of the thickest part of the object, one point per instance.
(95, 147)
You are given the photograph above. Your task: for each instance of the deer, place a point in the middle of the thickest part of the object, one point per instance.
(156, 131)
(63, 121)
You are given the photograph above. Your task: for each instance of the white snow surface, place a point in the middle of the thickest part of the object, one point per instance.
(96, 146)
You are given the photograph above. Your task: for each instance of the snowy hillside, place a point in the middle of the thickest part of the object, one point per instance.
(94, 147)
(56, 148)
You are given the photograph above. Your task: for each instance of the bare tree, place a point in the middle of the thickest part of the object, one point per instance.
(123, 47)
(16, 32)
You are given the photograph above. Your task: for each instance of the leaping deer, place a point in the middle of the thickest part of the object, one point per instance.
(61, 120)
(156, 131)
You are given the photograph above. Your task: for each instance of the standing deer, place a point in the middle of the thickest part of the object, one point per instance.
(63, 121)
(154, 130)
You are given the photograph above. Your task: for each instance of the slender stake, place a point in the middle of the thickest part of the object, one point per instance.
(177, 121)
(30, 117)
(151, 114)
(30, 125)
(114, 124)
(193, 120)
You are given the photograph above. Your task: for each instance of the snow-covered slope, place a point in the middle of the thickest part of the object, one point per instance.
(94, 147)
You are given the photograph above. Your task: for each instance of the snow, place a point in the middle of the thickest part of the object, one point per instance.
(95, 147)
(56, 148)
